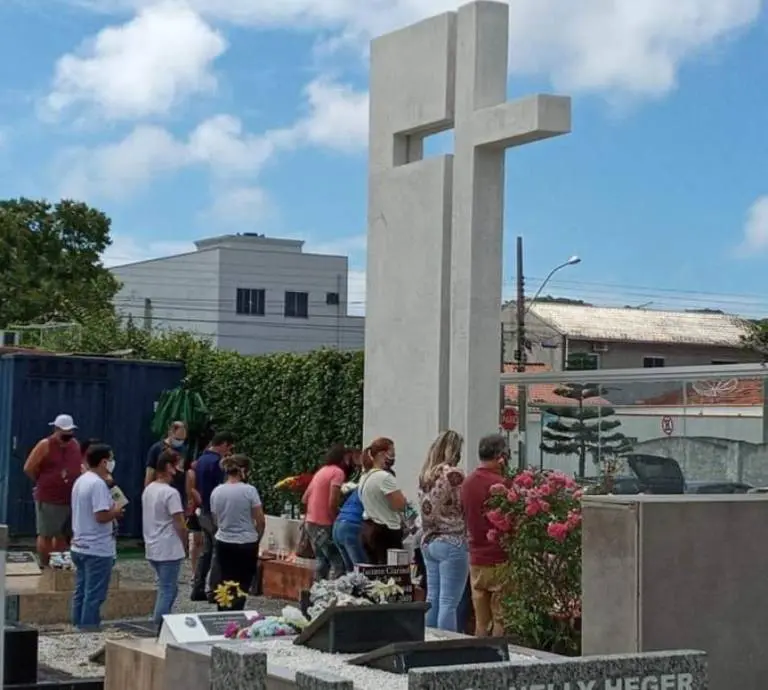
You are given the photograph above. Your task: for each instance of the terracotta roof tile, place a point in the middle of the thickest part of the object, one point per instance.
(542, 393)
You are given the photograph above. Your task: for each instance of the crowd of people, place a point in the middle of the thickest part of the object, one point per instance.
(355, 512)
(211, 512)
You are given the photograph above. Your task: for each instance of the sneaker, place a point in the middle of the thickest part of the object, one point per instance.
(198, 596)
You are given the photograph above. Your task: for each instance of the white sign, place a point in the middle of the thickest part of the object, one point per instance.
(665, 681)
(201, 627)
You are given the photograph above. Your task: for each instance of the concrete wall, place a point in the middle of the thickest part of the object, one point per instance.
(183, 291)
(678, 572)
(198, 292)
(276, 273)
(409, 221)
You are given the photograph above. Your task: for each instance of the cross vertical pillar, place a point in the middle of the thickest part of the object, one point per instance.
(484, 126)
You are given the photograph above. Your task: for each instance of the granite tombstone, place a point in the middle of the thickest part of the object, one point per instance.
(679, 670)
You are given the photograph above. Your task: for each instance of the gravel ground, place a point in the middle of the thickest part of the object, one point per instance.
(63, 648)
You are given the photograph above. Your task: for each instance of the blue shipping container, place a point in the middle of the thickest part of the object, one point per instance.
(111, 399)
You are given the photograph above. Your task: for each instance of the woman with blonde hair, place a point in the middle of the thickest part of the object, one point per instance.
(444, 530)
(383, 502)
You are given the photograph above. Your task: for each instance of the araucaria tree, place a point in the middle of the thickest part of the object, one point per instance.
(583, 429)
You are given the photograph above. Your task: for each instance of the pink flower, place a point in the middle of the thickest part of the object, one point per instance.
(578, 494)
(558, 531)
(513, 496)
(532, 507)
(546, 489)
(574, 519)
(497, 490)
(231, 630)
(544, 506)
(499, 521)
(524, 479)
(492, 536)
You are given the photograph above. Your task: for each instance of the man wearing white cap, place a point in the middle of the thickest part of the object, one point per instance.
(53, 465)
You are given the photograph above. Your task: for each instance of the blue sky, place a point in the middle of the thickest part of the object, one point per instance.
(185, 120)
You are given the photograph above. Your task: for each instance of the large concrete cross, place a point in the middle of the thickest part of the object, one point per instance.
(435, 227)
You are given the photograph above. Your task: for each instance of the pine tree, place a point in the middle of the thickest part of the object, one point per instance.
(583, 429)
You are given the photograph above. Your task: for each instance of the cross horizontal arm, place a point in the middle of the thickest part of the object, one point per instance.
(523, 121)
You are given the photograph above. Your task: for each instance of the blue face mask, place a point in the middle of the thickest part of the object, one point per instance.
(176, 443)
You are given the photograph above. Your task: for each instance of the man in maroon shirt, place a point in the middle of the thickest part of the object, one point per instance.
(485, 555)
(54, 464)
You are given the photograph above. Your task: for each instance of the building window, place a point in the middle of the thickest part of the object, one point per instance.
(332, 299)
(297, 305)
(653, 362)
(250, 302)
(582, 361)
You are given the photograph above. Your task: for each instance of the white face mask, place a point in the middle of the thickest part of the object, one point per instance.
(111, 466)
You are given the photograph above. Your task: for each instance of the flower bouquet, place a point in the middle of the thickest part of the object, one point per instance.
(290, 622)
(296, 484)
(229, 597)
(352, 589)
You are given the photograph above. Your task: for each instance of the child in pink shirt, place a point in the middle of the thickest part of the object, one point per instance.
(322, 500)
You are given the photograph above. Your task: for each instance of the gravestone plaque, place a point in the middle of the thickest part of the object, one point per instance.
(401, 574)
(360, 629)
(21, 563)
(403, 656)
(200, 627)
(681, 670)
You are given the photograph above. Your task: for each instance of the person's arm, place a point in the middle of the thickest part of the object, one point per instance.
(395, 497)
(103, 506)
(193, 497)
(257, 513)
(334, 496)
(35, 459)
(177, 513)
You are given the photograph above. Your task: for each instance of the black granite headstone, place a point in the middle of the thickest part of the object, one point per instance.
(403, 656)
(360, 629)
(401, 574)
(20, 655)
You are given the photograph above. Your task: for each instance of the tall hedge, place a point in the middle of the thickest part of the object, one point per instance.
(286, 409)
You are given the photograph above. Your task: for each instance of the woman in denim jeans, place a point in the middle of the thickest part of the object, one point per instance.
(444, 540)
(165, 532)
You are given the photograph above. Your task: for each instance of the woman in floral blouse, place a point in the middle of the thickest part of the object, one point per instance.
(444, 540)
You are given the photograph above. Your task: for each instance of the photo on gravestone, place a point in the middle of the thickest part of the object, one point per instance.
(399, 574)
(215, 624)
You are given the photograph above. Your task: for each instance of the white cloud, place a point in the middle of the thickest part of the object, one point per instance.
(756, 228)
(126, 250)
(143, 67)
(619, 47)
(243, 206)
(338, 116)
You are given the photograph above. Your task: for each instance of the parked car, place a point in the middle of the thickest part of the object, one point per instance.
(654, 474)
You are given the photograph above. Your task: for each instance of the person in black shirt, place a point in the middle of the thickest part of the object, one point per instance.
(175, 442)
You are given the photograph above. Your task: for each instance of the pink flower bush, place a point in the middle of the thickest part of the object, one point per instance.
(536, 518)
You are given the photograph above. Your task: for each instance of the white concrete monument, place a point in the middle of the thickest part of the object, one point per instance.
(433, 302)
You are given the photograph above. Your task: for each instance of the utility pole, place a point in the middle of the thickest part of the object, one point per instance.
(522, 390)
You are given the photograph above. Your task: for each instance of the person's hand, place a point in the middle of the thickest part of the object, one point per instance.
(118, 511)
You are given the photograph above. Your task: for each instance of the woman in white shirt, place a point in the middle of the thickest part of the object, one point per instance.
(238, 514)
(165, 532)
(383, 503)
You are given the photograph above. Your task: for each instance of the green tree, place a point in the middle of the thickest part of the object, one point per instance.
(756, 338)
(582, 429)
(51, 259)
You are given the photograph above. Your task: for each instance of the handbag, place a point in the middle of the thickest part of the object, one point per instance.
(304, 547)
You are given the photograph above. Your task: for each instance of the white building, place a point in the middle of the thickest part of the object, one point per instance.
(245, 292)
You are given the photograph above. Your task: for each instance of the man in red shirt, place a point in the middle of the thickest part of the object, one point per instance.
(485, 555)
(54, 464)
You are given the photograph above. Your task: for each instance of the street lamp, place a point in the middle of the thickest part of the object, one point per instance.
(522, 310)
